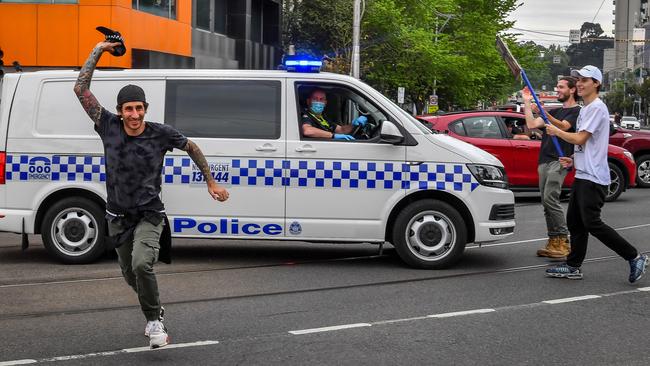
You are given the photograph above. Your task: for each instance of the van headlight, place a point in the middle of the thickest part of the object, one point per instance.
(489, 175)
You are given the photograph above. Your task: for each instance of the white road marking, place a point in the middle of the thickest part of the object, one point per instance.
(107, 353)
(644, 289)
(17, 362)
(329, 329)
(461, 313)
(571, 299)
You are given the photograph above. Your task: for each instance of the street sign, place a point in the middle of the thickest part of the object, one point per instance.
(556, 59)
(638, 34)
(433, 99)
(574, 36)
(400, 95)
(432, 109)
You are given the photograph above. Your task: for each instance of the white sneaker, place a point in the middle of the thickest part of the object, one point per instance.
(161, 317)
(158, 336)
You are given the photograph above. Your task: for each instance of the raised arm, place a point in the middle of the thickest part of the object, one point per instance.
(82, 86)
(217, 192)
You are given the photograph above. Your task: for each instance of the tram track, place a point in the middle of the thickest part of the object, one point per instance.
(297, 291)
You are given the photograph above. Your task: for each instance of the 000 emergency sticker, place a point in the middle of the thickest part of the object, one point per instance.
(220, 172)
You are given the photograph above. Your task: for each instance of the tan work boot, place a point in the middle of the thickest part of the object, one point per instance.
(559, 248)
(549, 244)
(564, 244)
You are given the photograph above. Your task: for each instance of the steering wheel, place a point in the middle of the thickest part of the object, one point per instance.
(366, 131)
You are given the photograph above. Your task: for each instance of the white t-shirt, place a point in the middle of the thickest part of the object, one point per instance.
(590, 159)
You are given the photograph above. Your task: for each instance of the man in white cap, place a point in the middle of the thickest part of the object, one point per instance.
(592, 178)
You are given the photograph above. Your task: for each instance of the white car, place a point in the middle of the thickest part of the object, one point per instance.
(630, 122)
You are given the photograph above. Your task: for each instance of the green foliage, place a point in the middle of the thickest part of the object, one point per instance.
(590, 50)
(408, 43)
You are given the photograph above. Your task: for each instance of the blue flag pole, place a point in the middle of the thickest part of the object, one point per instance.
(542, 112)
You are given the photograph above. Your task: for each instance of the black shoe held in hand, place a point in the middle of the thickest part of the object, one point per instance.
(114, 36)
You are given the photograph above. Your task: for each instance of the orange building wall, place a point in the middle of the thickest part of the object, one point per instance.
(63, 35)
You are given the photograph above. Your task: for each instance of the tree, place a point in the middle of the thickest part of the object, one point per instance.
(590, 50)
(403, 43)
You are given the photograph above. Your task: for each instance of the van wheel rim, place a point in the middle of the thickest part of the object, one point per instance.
(614, 185)
(74, 232)
(430, 235)
(643, 172)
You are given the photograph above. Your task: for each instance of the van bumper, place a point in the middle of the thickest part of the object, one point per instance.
(13, 221)
(490, 226)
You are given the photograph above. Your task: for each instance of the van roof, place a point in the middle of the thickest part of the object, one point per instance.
(147, 73)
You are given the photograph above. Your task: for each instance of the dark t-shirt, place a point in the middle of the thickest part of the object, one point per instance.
(134, 163)
(548, 152)
(322, 123)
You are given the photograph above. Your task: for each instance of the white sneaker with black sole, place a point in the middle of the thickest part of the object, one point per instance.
(161, 317)
(158, 336)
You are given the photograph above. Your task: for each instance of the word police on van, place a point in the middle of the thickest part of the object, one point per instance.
(427, 194)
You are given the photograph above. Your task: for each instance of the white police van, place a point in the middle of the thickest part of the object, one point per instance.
(425, 193)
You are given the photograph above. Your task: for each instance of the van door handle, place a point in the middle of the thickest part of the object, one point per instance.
(306, 148)
(266, 147)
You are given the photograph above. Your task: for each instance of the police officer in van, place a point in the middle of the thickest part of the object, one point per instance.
(134, 150)
(314, 125)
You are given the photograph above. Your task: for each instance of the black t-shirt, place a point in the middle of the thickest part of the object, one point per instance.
(548, 152)
(321, 123)
(134, 163)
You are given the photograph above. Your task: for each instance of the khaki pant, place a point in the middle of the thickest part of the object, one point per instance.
(551, 177)
(136, 258)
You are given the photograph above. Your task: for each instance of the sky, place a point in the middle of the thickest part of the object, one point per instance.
(558, 17)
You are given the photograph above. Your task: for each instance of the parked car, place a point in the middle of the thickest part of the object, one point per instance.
(630, 122)
(637, 143)
(488, 130)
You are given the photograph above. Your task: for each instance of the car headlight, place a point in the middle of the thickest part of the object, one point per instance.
(489, 175)
(629, 155)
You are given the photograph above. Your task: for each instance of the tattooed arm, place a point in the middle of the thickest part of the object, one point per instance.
(217, 192)
(82, 86)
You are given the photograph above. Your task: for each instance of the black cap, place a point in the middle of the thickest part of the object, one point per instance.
(131, 93)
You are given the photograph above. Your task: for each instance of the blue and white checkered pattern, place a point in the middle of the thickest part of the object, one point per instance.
(55, 168)
(268, 172)
(335, 174)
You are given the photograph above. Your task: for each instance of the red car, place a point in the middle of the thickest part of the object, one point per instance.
(488, 130)
(638, 143)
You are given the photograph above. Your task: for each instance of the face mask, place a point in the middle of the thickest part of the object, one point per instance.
(317, 107)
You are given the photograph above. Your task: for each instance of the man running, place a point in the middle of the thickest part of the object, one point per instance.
(134, 150)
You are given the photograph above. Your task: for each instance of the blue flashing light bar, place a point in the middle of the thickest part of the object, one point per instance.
(302, 64)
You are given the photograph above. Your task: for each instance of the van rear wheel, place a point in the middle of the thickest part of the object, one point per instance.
(73, 230)
(429, 234)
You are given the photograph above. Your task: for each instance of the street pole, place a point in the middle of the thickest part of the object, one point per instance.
(356, 31)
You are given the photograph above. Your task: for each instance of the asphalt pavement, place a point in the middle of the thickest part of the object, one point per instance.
(272, 303)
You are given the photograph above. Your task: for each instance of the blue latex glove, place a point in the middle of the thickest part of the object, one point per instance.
(361, 120)
(342, 136)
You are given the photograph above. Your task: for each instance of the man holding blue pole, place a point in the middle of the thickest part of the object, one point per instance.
(551, 173)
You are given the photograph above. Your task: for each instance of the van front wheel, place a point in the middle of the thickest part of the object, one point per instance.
(73, 230)
(429, 234)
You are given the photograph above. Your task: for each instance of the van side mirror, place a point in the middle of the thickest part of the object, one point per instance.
(390, 133)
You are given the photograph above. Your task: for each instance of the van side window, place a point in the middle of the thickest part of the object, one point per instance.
(245, 109)
(342, 106)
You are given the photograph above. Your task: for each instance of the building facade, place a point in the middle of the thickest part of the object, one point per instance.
(242, 34)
